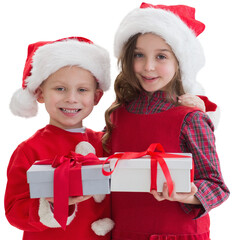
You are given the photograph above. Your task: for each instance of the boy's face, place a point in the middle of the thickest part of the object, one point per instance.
(69, 95)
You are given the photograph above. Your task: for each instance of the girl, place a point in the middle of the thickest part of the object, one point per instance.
(160, 57)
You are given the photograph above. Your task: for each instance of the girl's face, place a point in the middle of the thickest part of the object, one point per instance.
(154, 63)
(69, 95)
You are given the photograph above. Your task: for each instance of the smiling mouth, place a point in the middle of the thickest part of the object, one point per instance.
(66, 110)
(149, 78)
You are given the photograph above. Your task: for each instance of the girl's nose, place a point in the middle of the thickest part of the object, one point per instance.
(150, 64)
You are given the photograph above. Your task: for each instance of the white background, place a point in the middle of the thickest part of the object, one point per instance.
(27, 21)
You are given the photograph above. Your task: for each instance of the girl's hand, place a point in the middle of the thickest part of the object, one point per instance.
(72, 200)
(179, 197)
(190, 100)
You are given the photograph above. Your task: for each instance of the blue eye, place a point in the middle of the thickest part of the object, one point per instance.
(138, 55)
(82, 90)
(161, 57)
(60, 89)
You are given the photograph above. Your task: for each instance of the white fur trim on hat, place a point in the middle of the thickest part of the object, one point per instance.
(49, 58)
(175, 32)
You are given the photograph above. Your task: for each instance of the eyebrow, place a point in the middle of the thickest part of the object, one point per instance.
(159, 50)
(165, 50)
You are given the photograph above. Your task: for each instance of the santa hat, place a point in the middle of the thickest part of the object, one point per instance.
(45, 58)
(178, 27)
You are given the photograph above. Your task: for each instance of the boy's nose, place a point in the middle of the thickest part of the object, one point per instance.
(72, 97)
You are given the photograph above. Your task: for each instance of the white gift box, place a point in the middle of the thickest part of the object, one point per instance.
(134, 175)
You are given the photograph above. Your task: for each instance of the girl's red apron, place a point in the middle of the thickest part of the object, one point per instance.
(140, 216)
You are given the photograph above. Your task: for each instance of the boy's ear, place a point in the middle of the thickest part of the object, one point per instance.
(98, 96)
(39, 95)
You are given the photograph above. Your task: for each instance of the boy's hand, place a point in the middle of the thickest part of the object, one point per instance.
(179, 197)
(190, 100)
(72, 200)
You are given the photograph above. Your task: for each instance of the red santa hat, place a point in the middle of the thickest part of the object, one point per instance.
(45, 58)
(178, 27)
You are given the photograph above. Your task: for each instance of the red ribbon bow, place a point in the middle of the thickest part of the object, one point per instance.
(62, 165)
(156, 157)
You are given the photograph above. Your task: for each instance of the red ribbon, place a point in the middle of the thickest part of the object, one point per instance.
(156, 157)
(62, 165)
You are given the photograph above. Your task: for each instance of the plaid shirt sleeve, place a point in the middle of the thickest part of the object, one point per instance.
(198, 138)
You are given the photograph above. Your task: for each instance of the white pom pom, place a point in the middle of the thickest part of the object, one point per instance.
(99, 197)
(102, 226)
(194, 88)
(85, 148)
(24, 104)
(215, 117)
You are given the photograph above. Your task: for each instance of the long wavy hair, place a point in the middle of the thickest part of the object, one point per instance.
(127, 87)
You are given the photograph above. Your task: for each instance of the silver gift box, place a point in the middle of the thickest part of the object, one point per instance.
(40, 179)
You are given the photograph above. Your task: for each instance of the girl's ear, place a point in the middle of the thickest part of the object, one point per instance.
(98, 96)
(39, 94)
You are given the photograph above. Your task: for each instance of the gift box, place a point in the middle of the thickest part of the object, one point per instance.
(134, 175)
(41, 180)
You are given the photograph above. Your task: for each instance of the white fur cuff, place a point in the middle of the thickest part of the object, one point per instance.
(47, 216)
(102, 226)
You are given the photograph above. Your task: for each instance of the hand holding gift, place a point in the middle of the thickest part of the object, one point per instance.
(179, 197)
(72, 200)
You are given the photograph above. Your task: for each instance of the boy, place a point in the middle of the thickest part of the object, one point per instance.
(69, 77)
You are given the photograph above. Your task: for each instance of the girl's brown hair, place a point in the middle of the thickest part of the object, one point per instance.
(128, 88)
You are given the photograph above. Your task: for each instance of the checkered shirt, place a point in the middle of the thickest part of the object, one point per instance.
(196, 137)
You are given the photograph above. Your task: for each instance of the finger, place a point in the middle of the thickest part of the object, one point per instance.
(193, 188)
(157, 195)
(185, 96)
(192, 100)
(165, 191)
(74, 200)
(78, 199)
(184, 196)
(173, 196)
(87, 197)
(50, 200)
(187, 102)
